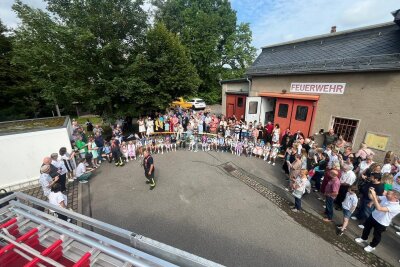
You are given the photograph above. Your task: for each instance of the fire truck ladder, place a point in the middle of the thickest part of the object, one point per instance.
(29, 237)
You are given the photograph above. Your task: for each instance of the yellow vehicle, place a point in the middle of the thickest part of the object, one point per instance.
(180, 102)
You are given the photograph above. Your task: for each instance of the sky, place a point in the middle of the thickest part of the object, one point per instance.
(275, 21)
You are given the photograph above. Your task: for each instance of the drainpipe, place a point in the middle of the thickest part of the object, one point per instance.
(249, 81)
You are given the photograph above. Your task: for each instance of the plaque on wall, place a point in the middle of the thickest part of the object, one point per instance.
(376, 141)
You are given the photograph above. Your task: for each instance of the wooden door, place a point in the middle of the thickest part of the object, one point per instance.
(302, 115)
(240, 106)
(230, 105)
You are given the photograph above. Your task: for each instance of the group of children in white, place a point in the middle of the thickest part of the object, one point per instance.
(160, 143)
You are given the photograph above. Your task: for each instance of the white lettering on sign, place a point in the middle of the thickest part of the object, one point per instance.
(319, 88)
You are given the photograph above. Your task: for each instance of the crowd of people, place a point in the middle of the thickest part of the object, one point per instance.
(347, 180)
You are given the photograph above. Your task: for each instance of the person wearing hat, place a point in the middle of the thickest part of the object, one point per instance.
(45, 179)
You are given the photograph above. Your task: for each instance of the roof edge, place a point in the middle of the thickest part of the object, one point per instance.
(234, 80)
(331, 34)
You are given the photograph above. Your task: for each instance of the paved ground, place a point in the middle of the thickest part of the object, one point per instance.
(203, 208)
(72, 194)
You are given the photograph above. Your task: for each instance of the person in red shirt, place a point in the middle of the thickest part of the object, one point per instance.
(331, 192)
(269, 127)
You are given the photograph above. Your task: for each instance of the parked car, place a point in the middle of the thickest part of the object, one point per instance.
(180, 102)
(197, 103)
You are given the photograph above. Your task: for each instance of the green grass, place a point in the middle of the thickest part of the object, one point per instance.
(93, 119)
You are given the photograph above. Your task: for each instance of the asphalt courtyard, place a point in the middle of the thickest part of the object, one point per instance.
(221, 207)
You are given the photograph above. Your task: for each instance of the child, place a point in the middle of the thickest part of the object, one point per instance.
(274, 153)
(387, 181)
(239, 148)
(196, 142)
(214, 143)
(299, 187)
(221, 143)
(107, 152)
(209, 143)
(191, 143)
(116, 153)
(173, 142)
(204, 145)
(68, 162)
(260, 149)
(124, 151)
(131, 150)
(153, 145)
(349, 205)
(160, 145)
(267, 150)
(250, 148)
(233, 145)
(167, 144)
(166, 126)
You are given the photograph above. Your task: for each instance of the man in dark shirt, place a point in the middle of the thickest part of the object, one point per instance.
(330, 137)
(98, 139)
(148, 165)
(366, 206)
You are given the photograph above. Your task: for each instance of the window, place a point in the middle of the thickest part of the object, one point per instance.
(301, 113)
(253, 105)
(240, 102)
(345, 127)
(283, 110)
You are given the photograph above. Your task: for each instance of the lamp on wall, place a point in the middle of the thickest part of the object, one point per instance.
(284, 91)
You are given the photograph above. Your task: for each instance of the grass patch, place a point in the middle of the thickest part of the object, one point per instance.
(32, 124)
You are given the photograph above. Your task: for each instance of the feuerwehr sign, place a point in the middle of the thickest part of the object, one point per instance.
(319, 88)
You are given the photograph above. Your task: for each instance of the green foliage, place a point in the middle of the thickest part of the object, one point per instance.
(81, 50)
(18, 100)
(164, 66)
(219, 48)
(104, 55)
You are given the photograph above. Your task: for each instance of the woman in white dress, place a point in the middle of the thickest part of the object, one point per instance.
(142, 127)
(150, 126)
(276, 133)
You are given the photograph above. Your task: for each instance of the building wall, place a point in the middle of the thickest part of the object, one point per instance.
(232, 87)
(371, 98)
(22, 154)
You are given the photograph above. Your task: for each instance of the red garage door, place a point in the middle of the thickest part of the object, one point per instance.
(295, 114)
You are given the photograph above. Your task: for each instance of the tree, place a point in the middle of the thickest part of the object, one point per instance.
(165, 70)
(79, 50)
(218, 46)
(18, 100)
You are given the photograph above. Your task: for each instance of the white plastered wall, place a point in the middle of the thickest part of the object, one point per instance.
(22, 154)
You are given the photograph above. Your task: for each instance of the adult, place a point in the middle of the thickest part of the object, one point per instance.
(53, 169)
(365, 209)
(142, 127)
(319, 170)
(89, 125)
(297, 136)
(62, 170)
(57, 198)
(148, 165)
(45, 180)
(269, 127)
(362, 154)
(331, 192)
(386, 208)
(346, 180)
(83, 174)
(99, 141)
(149, 126)
(276, 134)
(97, 130)
(340, 143)
(330, 137)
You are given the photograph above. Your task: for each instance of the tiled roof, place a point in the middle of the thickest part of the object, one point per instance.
(373, 48)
